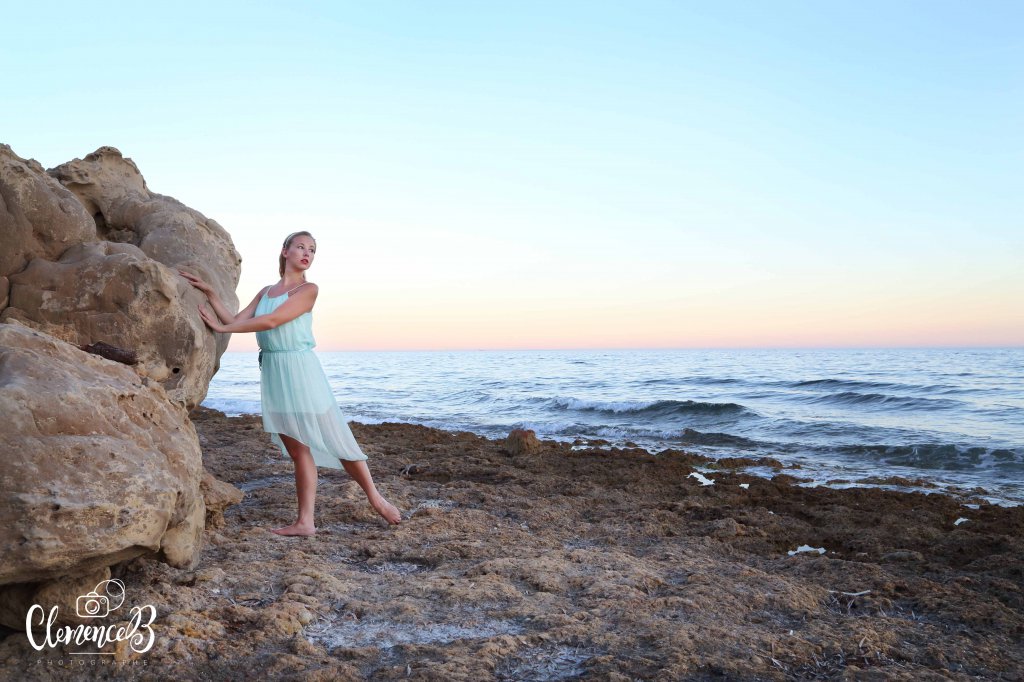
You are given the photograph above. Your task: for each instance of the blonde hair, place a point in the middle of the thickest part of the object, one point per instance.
(287, 243)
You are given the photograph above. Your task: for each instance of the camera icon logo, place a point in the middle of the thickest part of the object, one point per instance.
(93, 605)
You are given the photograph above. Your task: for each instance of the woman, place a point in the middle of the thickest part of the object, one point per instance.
(299, 410)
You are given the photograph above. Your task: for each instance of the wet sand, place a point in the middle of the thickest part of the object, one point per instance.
(569, 563)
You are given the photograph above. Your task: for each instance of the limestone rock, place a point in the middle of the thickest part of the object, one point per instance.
(90, 255)
(114, 193)
(218, 495)
(98, 465)
(522, 442)
(16, 599)
(39, 218)
(115, 294)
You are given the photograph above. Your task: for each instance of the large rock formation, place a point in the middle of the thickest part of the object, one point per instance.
(105, 292)
(111, 292)
(99, 465)
(114, 193)
(38, 216)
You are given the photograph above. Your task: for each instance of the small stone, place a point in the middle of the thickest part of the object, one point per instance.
(520, 442)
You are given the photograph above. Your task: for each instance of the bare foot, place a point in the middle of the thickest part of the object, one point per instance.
(386, 509)
(295, 529)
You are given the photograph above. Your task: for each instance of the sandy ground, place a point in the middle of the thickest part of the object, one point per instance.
(568, 563)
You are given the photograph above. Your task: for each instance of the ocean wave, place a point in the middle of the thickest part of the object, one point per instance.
(856, 384)
(655, 408)
(552, 428)
(573, 429)
(232, 407)
(1002, 411)
(883, 399)
(470, 396)
(703, 380)
(714, 381)
(694, 437)
(938, 455)
(842, 383)
(634, 434)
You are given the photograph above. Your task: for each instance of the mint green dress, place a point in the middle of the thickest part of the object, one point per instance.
(296, 398)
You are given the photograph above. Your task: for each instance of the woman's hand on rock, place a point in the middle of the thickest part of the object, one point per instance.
(210, 320)
(197, 282)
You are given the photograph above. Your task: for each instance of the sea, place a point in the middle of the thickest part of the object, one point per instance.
(953, 418)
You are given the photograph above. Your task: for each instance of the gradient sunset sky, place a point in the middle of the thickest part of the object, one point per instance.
(570, 174)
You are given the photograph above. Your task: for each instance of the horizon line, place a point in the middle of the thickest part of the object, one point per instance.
(641, 348)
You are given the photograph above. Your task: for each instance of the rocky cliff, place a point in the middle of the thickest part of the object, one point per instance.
(100, 461)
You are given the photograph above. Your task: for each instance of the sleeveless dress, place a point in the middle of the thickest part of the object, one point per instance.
(296, 398)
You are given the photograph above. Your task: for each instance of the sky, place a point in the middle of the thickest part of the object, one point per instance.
(544, 175)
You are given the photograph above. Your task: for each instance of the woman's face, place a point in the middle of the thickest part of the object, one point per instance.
(300, 252)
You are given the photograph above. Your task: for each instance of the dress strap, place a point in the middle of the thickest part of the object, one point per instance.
(301, 285)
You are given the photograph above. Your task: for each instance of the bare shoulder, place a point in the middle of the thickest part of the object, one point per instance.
(307, 292)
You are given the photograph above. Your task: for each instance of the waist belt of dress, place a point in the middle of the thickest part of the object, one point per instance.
(259, 358)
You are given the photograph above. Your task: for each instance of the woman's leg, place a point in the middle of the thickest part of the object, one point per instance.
(360, 473)
(305, 487)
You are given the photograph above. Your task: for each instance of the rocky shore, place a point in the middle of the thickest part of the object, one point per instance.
(562, 562)
(135, 526)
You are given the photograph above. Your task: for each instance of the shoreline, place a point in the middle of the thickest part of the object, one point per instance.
(889, 477)
(608, 564)
(915, 416)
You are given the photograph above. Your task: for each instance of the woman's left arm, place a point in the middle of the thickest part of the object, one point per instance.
(296, 304)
